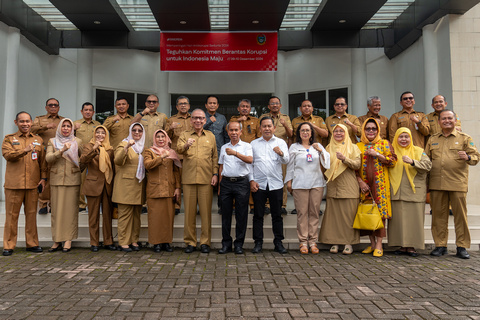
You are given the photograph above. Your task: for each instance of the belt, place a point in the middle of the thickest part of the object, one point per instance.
(234, 179)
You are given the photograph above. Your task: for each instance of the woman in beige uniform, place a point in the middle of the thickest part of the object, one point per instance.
(163, 190)
(129, 187)
(62, 156)
(342, 193)
(97, 155)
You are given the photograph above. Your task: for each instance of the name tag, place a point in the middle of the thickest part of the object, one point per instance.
(401, 117)
(16, 143)
(35, 143)
(434, 144)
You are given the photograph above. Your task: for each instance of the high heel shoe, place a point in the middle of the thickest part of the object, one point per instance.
(65, 249)
(53, 249)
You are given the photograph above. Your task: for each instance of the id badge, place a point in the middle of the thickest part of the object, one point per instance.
(309, 157)
(249, 129)
(34, 155)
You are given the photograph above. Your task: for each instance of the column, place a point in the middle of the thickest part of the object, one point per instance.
(84, 79)
(358, 99)
(430, 62)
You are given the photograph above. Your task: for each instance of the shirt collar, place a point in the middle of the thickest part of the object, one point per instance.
(20, 134)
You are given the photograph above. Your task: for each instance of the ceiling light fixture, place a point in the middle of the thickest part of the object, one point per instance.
(342, 21)
(255, 22)
(183, 22)
(96, 22)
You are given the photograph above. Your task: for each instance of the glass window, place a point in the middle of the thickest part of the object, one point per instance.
(104, 104)
(294, 102)
(333, 94)
(319, 102)
(130, 96)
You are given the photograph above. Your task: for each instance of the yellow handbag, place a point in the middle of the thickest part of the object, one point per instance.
(368, 216)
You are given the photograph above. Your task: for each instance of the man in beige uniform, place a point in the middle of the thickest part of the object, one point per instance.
(151, 119)
(417, 122)
(26, 171)
(118, 124)
(341, 116)
(199, 174)
(46, 127)
(250, 128)
(284, 131)
(374, 106)
(317, 122)
(84, 129)
(451, 153)
(176, 125)
(439, 104)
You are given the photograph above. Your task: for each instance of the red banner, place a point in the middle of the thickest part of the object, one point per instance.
(218, 51)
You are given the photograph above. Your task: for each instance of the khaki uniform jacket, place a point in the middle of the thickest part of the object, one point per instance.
(449, 172)
(118, 130)
(345, 186)
(126, 187)
(316, 120)
(152, 123)
(39, 127)
(22, 171)
(174, 134)
(280, 131)
(62, 172)
(405, 192)
(163, 176)
(435, 126)
(402, 119)
(95, 179)
(382, 120)
(250, 128)
(86, 130)
(200, 161)
(333, 120)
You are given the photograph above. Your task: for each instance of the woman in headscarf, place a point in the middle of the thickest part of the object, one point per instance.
(97, 156)
(342, 193)
(377, 156)
(65, 178)
(163, 190)
(408, 181)
(129, 187)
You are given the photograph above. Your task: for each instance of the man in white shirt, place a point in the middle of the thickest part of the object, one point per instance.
(266, 181)
(234, 160)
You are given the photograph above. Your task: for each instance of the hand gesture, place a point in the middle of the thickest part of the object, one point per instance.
(77, 126)
(175, 125)
(242, 118)
(146, 111)
(348, 122)
(230, 151)
(407, 159)
(278, 151)
(30, 147)
(363, 186)
(130, 143)
(51, 125)
(66, 146)
(165, 154)
(190, 142)
(463, 155)
(116, 118)
(414, 118)
(97, 144)
(317, 147)
(340, 156)
(282, 121)
(213, 119)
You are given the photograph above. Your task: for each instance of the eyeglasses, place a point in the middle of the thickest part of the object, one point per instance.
(407, 98)
(340, 104)
(304, 130)
(152, 101)
(53, 105)
(183, 104)
(370, 129)
(198, 118)
(137, 130)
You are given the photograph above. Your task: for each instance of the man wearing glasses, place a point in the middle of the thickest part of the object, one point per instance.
(199, 174)
(342, 117)
(417, 122)
(150, 119)
(46, 127)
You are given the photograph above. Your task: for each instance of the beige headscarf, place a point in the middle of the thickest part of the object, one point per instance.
(160, 150)
(412, 152)
(59, 141)
(345, 147)
(104, 163)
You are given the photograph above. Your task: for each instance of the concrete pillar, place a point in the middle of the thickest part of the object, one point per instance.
(358, 100)
(430, 62)
(84, 79)
(162, 91)
(280, 82)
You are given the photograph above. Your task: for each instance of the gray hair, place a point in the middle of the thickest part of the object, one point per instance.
(370, 100)
(241, 127)
(245, 100)
(181, 97)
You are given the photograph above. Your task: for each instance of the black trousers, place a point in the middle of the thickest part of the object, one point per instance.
(275, 198)
(240, 191)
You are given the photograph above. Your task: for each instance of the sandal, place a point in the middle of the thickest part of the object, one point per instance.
(314, 249)
(378, 253)
(334, 249)
(304, 249)
(348, 249)
(368, 250)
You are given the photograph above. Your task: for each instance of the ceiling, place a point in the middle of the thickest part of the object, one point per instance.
(135, 24)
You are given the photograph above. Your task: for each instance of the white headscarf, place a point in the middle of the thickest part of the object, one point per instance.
(138, 148)
(59, 141)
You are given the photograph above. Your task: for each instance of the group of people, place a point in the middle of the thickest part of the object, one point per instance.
(145, 162)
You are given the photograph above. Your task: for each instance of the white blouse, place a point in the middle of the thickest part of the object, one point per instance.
(306, 174)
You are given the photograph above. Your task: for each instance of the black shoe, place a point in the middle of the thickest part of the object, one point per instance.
(257, 248)
(167, 247)
(198, 213)
(399, 252)
(65, 250)
(439, 251)
(55, 249)
(157, 248)
(252, 211)
(190, 249)
(135, 248)
(43, 210)
(267, 210)
(204, 248)
(225, 249)
(280, 248)
(412, 253)
(177, 211)
(238, 250)
(462, 253)
(35, 249)
(283, 211)
(120, 248)
(320, 213)
(82, 209)
(451, 212)
(219, 211)
(110, 247)
(7, 252)
(144, 210)
(294, 211)
(94, 248)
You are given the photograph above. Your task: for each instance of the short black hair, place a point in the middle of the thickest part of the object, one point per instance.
(88, 104)
(441, 95)
(266, 118)
(121, 98)
(46, 102)
(447, 110)
(274, 97)
(22, 112)
(401, 96)
(182, 97)
(298, 139)
(212, 96)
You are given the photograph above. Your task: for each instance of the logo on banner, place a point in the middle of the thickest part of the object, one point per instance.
(261, 39)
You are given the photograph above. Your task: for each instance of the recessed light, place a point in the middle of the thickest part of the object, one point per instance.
(342, 21)
(96, 22)
(255, 22)
(183, 22)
